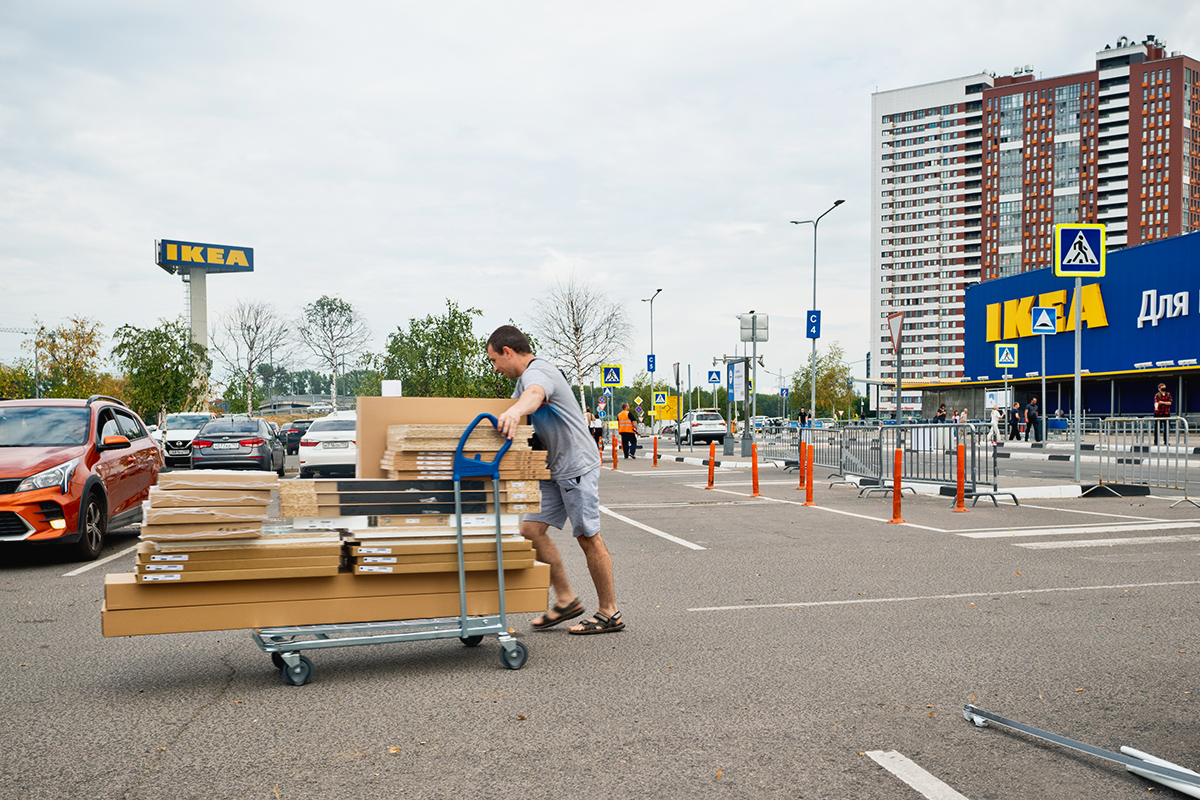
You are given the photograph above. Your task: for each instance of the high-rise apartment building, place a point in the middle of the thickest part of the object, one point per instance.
(972, 174)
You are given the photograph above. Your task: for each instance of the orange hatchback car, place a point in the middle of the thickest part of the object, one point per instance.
(70, 470)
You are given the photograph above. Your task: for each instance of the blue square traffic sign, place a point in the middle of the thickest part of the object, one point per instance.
(812, 325)
(1079, 250)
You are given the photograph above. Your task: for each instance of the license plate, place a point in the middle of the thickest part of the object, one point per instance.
(329, 445)
(178, 452)
(225, 446)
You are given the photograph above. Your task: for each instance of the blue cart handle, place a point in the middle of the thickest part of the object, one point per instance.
(471, 467)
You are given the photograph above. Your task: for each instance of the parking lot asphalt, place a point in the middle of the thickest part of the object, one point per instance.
(772, 650)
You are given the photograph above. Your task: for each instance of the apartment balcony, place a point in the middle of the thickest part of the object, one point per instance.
(1115, 185)
(1112, 209)
(1114, 103)
(1115, 143)
(1118, 129)
(1115, 116)
(1110, 157)
(1117, 226)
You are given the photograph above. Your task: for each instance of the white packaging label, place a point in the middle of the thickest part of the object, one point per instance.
(378, 559)
(175, 576)
(164, 567)
(374, 550)
(374, 569)
(165, 557)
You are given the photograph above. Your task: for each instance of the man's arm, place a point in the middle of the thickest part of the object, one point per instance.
(530, 401)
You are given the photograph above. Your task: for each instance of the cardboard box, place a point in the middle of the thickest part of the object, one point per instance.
(375, 414)
(254, 574)
(275, 613)
(216, 530)
(122, 591)
(217, 479)
(440, 566)
(149, 553)
(151, 567)
(438, 547)
(202, 498)
(201, 516)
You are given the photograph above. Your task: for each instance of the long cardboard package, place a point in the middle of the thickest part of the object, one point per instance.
(235, 616)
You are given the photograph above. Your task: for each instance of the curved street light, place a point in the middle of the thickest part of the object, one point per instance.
(812, 411)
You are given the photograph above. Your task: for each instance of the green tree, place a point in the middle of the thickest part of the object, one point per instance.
(17, 379)
(235, 394)
(334, 332)
(70, 358)
(440, 356)
(165, 369)
(835, 384)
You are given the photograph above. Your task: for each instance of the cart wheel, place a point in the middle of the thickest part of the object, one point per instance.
(516, 657)
(278, 661)
(299, 674)
(471, 641)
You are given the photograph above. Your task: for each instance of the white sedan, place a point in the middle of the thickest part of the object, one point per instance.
(329, 445)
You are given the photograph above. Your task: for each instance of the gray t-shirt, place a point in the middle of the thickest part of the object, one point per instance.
(560, 424)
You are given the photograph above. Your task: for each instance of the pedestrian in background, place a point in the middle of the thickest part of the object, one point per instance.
(1014, 421)
(940, 416)
(627, 427)
(1031, 421)
(595, 428)
(1162, 410)
(995, 423)
(803, 417)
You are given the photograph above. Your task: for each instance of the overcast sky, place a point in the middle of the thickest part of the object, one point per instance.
(396, 154)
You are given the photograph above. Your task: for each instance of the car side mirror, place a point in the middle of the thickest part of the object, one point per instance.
(114, 443)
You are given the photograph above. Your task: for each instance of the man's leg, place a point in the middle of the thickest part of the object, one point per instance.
(600, 566)
(547, 553)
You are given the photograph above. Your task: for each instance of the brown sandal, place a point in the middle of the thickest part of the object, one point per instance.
(571, 610)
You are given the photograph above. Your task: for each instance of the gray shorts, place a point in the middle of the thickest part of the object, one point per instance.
(577, 499)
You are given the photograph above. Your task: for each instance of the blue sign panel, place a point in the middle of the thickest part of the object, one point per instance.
(714, 376)
(812, 325)
(1138, 315)
(1079, 250)
(1045, 320)
(783, 392)
(650, 363)
(176, 256)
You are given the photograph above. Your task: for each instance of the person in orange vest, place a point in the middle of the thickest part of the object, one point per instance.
(627, 427)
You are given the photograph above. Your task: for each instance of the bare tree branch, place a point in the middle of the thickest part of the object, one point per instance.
(246, 336)
(580, 328)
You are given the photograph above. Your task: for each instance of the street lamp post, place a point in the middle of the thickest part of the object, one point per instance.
(812, 412)
(650, 300)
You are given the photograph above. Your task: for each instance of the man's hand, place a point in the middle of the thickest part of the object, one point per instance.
(507, 422)
(530, 401)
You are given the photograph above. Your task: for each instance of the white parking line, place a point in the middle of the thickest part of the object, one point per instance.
(965, 596)
(94, 564)
(1186, 537)
(908, 771)
(648, 529)
(1137, 526)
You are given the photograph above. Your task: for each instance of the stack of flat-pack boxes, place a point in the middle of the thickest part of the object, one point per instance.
(395, 538)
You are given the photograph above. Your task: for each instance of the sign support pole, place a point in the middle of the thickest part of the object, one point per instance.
(1079, 365)
(1045, 405)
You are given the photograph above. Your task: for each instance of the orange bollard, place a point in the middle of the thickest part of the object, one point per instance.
(754, 469)
(959, 507)
(601, 443)
(808, 487)
(712, 463)
(614, 451)
(896, 469)
(803, 455)
(655, 464)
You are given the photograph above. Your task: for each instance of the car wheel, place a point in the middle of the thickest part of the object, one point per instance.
(305, 473)
(93, 524)
(282, 466)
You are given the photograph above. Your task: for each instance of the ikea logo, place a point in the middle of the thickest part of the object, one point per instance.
(175, 256)
(1013, 319)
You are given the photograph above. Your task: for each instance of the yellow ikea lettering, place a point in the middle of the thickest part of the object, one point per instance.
(1013, 319)
(216, 255)
(192, 253)
(1018, 319)
(236, 258)
(172, 252)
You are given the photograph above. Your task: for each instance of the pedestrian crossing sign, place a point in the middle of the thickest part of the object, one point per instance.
(610, 375)
(1079, 250)
(660, 399)
(1006, 355)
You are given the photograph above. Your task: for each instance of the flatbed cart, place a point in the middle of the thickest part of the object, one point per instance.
(285, 644)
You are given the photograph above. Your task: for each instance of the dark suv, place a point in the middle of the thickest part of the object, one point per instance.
(71, 470)
(292, 432)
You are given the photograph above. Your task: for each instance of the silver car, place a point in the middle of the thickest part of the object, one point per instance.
(238, 443)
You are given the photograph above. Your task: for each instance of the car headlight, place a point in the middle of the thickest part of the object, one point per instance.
(58, 476)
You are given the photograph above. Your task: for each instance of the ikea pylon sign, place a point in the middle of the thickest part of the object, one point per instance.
(1139, 313)
(176, 256)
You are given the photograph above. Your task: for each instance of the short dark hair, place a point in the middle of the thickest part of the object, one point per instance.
(508, 336)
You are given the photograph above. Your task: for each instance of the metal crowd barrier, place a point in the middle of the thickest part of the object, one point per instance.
(1147, 451)
(930, 454)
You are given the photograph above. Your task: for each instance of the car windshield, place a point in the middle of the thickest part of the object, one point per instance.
(230, 425)
(43, 426)
(326, 425)
(185, 420)
(708, 418)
